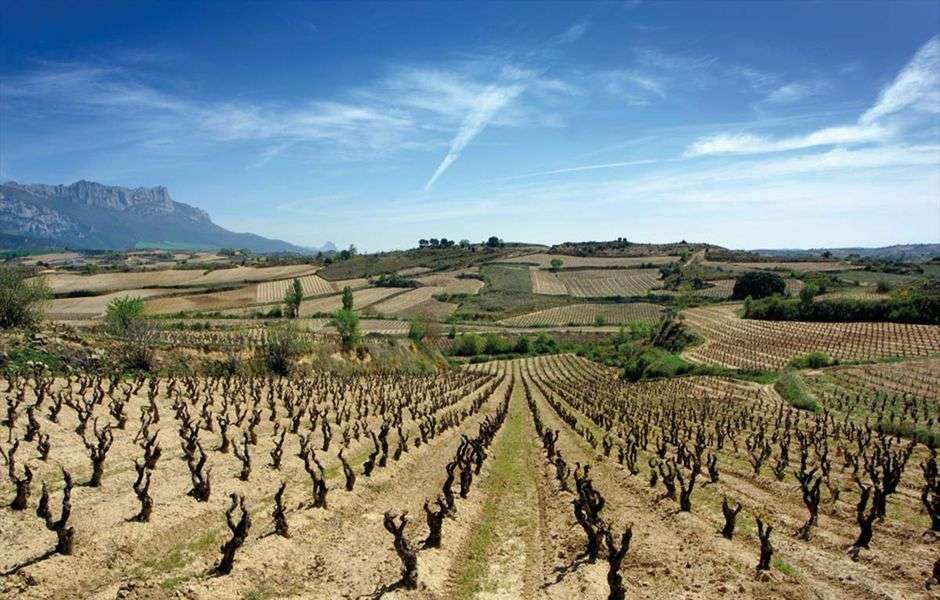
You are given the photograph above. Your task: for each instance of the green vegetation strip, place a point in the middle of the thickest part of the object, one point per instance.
(507, 487)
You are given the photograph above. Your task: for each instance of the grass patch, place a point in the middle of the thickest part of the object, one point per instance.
(784, 567)
(794, 390)
(509, 478)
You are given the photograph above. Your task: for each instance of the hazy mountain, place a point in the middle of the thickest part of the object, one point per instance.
(906, 252)
(88, 215)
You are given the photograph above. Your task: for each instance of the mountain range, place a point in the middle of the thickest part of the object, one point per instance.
(91, 216)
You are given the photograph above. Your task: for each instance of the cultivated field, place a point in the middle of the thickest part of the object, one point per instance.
(361, 299)
(596, 283)
(586, 314)
(92, 307)
(488, 464)
(796, 266)
(544, 261)
(312, 285)
(108, 282)
(750, 344)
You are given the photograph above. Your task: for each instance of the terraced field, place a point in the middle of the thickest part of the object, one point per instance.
(586, 314)
(362, 298)
(599, 283)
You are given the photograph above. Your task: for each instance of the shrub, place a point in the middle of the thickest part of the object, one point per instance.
(883, 287)
(22, 297)
(600, 320)
(346, 322)
(522, 345)
(671, 334)
(496, 344)
(418, 330)
(813, 360)
(556, 264)
(293, 296)
(468, 344)
(544, 344)
(124, 313)
(280, 349)
(394, 280)
(757, 285)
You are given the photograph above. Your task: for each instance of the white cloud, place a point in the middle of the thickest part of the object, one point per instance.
(488, 104)
(916, 86)
(795, 91)
(746, 143)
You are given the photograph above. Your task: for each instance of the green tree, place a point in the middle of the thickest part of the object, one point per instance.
(346, 322)
(522, 345)
(347, 298)
(22, 297)
(293, 296)
(418, 329)
(124, 314)
(556, 264)
(807, 294)
(757, 285)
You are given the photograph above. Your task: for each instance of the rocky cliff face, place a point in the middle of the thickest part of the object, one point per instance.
(90, 215)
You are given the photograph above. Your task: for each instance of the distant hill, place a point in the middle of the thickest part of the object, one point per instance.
(89, 215)
(903, 252)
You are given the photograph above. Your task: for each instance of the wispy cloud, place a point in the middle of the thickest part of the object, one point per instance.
(916, 86)
(495, 98)
(796, 91)
(746, 143)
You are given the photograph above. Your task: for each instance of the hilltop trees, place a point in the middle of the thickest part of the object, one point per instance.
(22, 297)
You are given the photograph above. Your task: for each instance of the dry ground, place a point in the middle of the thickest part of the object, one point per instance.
(513, 536)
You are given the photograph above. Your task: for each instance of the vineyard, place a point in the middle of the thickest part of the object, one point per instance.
(544, 261)
(769, 345)
(597, 283)
(544, 477)
(312, 285)
(587, 314)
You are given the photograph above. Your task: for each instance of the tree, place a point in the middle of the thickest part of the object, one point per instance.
(464, 243)
(807, 294)
(124, 314)
(556, 264)
(22, 297)
(346, 322)
(757, 285)
(423, 243)
(418, 329)
(293, 296)
(493, 242)
(347, 298)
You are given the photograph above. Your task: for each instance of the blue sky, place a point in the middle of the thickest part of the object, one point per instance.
(751, 124)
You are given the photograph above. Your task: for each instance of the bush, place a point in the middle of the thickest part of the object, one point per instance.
(651, 363)
(346, 322)
(522, 345)
(883, 287)
(468, 344)
(918, 308)
(394, 280)
(757, 285)
(600, 320)
(813, 360)
(293, 296)
(544, 344)
(280, 349)
(124, 313)
(671, 334)
(22, 297)
(496, 344)
(418, 330)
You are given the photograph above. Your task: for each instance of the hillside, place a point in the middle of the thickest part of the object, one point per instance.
(903, 252)
(88, 215)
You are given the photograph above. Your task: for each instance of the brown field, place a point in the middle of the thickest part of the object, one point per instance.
(514, 532)
(108, 282)
(799, 267)
(585, 314)
(751, 344)
(210, 301)
(722, 288)
(90, 307)
(361, 299)
(544, 261)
